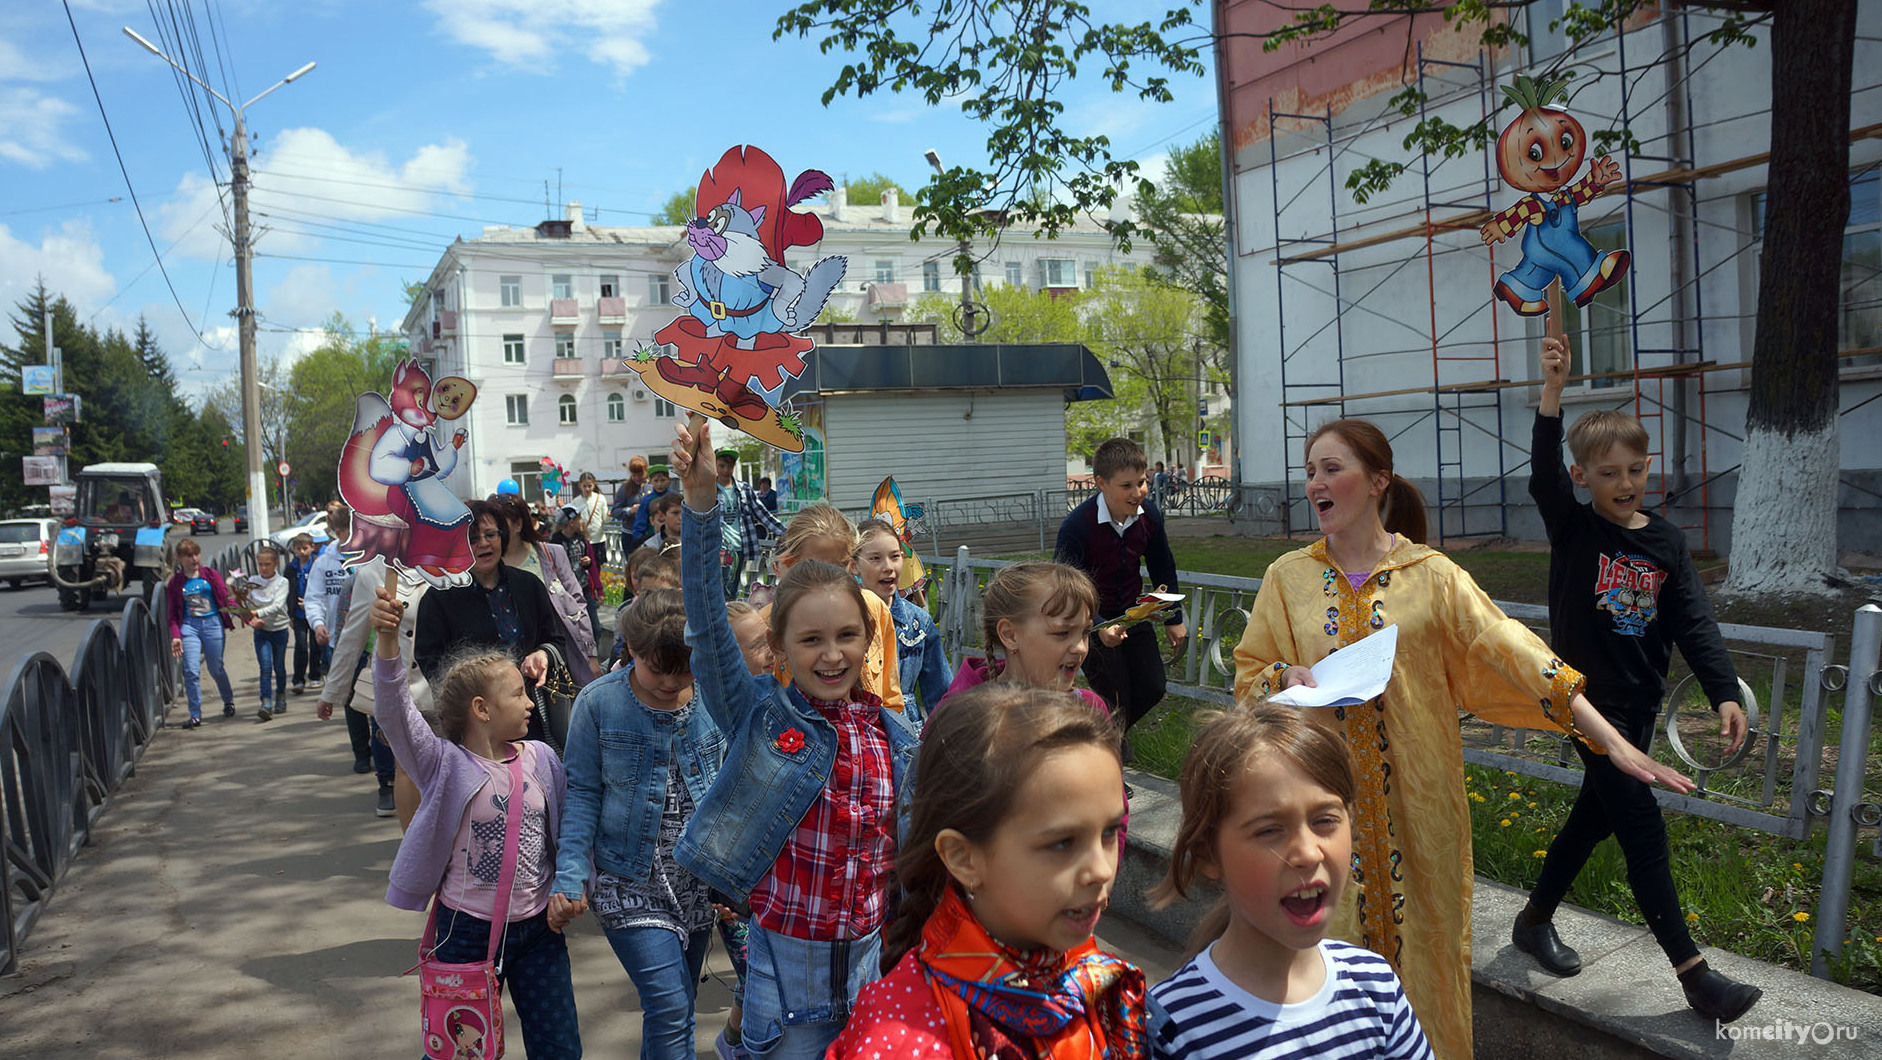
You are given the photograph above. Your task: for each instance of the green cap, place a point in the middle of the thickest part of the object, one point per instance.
(733, 453)
(659, 469)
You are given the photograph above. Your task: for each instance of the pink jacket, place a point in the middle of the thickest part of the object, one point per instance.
(174, 591)
(975, 670)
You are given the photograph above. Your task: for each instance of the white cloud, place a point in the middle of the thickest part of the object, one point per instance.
(69, 259)
(532, 33)
(304, 179)
(21, 65)
(305, 295)
(32, 127)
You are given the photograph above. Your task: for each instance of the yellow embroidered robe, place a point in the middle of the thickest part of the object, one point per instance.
(1411, 824)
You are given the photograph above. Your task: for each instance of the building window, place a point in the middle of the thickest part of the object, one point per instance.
(565, 344)
(528, 476)
(617, 408)
(611, 345)
(565, 410)
(931, 276)
(1859, 303)
(885, 270)
(1091, 275)
(663, 409)
(1015, 274)
(516, 409)
(561, 285)
(660, 289)
(610, 285)
(513, 349)
(510, 291)
(1601, 327)
(1058, 272)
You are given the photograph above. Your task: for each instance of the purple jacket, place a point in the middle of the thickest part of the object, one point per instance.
(174, 592)
(974, 671)
(447, 776)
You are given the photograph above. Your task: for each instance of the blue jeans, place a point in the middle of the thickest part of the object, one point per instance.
(798, 993)
(202, 643)
(533, 964)
(384, 764)
(665, 972)
(271, 657)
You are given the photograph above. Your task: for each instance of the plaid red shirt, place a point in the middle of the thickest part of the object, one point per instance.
(831, 878)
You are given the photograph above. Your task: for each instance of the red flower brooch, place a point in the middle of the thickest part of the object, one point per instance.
(790, 741)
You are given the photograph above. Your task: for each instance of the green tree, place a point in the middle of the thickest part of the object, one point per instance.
(1182, 218)
(677, 210)
(322, 389)
(869, 189)
(1151, 334)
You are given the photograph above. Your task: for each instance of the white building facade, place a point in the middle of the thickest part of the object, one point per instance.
(1383, 309)
(540, 318)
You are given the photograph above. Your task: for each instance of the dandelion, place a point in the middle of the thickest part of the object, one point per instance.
(1505, 822)
(1514, 813)
(1797, 866)
(1540, 854)
(1538, 831)
(1532, 805)
(1692, 918)
(1800, 916)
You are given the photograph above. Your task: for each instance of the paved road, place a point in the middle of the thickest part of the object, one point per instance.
(231, 904)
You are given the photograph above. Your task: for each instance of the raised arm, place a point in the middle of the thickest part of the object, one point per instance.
(718, 666)
(413, 743)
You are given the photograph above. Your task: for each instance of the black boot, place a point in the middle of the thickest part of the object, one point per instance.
(1536, 936)
(1715, 995)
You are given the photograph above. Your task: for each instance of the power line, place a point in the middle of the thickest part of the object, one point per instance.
(119, 155)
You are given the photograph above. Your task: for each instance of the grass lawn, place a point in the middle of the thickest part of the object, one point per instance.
(1743, 890)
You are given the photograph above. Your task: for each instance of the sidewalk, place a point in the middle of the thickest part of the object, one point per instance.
(232, 904)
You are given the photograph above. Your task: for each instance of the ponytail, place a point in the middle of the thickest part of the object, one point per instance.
(1402, 509)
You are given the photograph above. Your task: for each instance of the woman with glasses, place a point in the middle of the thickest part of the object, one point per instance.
(528, 551)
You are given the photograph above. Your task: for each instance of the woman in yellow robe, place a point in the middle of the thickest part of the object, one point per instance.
(1456, 650)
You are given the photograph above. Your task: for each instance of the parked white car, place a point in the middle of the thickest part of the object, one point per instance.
(26, 549)
(314, 526)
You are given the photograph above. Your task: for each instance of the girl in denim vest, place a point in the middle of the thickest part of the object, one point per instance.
(455, 845)
(641, 752)
(801, 823)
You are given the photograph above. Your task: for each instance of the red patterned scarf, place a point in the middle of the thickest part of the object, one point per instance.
(1004, 1004)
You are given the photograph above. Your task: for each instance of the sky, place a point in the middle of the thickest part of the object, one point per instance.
(424, 120)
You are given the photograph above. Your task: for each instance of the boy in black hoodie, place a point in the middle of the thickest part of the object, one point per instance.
(1622, 592)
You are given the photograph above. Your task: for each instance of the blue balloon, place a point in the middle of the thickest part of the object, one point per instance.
(510, 487)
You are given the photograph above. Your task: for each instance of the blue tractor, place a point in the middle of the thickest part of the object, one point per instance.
(118, 538)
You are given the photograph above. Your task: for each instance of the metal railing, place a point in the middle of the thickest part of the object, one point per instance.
(1217, 611)
(67, 741)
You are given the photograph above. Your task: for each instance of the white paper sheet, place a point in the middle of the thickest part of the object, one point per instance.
(1350, 676)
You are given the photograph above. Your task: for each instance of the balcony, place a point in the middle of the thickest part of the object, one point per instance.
(563, 312)
(888, 295)
(569, 369)
(447, 323)
(612, 310)
(613, 367)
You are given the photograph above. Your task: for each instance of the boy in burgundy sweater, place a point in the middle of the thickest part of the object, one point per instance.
(1112, 537)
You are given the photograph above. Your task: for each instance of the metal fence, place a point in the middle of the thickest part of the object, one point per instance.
(1753, 788)
(68, 739)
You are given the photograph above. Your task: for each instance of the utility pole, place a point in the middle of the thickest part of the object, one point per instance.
(245, 328)
(244, 286)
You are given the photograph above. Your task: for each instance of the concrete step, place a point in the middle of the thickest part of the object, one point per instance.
(1625, 1002)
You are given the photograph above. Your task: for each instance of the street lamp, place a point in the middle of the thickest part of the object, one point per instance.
(969, 320)
(244, 285)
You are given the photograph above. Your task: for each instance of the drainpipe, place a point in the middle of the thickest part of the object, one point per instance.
(1680, 237)
(1227, 139)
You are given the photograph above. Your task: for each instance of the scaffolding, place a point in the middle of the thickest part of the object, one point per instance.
(1666, 371)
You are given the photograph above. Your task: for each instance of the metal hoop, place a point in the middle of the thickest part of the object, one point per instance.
(1835, 677)
(1670, 722)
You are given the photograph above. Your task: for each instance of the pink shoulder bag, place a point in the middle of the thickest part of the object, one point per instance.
(460, 1006)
